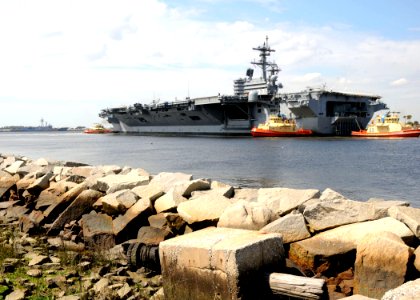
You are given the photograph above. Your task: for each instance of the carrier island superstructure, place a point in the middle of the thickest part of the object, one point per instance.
(253, 101)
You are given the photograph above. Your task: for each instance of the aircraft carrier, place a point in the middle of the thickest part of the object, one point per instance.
(252, 102)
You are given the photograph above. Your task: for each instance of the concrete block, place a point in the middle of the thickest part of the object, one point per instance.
(220, 263)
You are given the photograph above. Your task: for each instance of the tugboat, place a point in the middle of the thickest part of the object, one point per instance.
(388, 126)
(278, 126)
(97, 128)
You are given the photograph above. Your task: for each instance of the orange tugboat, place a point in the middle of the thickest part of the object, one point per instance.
(388, 126)
(98, 128)
(278, 127)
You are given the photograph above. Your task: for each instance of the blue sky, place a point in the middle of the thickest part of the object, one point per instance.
(63, 61)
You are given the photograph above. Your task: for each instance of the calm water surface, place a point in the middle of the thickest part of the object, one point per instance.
(357, 168)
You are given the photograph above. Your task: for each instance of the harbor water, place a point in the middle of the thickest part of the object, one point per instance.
(358, 168)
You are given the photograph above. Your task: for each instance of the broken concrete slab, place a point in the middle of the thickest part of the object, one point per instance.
(220, 263)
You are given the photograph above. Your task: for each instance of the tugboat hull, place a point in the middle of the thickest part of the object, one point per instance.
(256, 132)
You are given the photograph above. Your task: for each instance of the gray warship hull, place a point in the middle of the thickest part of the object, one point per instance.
(328, 112)
(254, 100)
(219, 115)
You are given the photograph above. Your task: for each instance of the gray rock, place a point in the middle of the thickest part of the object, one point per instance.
(150, 192)
(245, 215)
(14, 213)
(31, 223)
(113, 183)
(376, 270)
(6, 183)
(34, 273)
(331, 195)
(169, 221)
(165, 181)
(292, 227)
(14, 167)
(382, 206)
(125, 291)
(101, 285)
(69, 297)
(170, 200)
(330, 214)
(204, 208)
(283, 200)
(407, 291)
(81, 205)
(38, 260)
(17, 294)
(320, 252)
(417, 258)
(191, 186)
(98, 231)
(246, 194)
(357, 297)
(40, 184)
(222, 188)
(151, 235)
(118, 202)
(410, 216)
(41, 162)
(135, 217)
(52, 194)
(55, 209)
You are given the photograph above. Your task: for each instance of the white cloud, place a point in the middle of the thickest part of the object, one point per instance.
(399, 82)
(85, 55)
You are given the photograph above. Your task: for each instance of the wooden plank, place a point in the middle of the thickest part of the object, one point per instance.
(296, 286)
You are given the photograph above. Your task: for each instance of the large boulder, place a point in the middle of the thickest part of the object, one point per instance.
(292, 227)
(150, 192)
(327, 249)
(245, 215)
(40, 184)
(222, 188)
(410, 216)
(52, 194)
(417, 258)
(60, 203)
(81, 205)
(31, 223)
(188, 187)
(6, 183)
(165, 181)
(408, 291)
(98, 231)
(167, 221)
(329, 214)
(331, 195)
(219, 263)
(14, 167)
(126, 226)
(376, 270)
(382, 206)
(118, 202)
(283, 200)
(204, 208)
(246, 194)
(170, 200)
(152, 235)
(113, 183)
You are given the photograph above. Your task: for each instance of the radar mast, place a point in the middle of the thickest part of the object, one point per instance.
(263, 63)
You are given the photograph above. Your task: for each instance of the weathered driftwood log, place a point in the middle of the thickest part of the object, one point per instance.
(296, 286)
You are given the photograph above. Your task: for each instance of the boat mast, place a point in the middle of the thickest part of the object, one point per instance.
(263, 63)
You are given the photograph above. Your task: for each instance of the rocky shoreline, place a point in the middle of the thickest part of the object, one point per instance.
(73, 231)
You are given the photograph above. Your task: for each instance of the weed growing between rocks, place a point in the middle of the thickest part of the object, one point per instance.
(38, 269)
